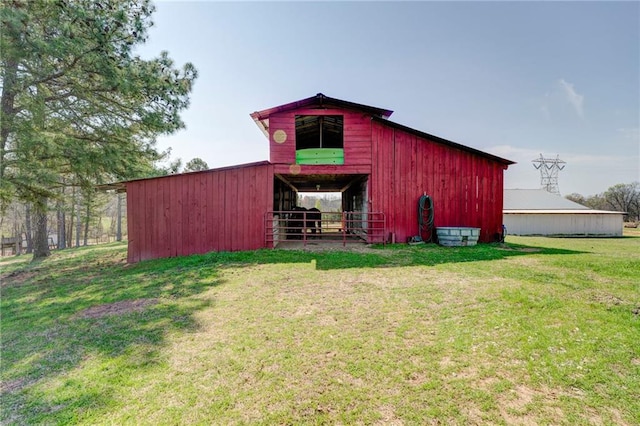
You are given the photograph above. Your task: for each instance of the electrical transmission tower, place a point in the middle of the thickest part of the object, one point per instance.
(549, 168)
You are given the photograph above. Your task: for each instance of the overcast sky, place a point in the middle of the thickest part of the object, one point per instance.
(513, 79)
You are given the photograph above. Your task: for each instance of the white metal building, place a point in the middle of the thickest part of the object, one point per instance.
(538, 212)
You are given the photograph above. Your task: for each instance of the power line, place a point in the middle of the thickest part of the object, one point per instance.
(549, 168)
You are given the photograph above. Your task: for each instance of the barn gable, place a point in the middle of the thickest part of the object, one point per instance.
(317, 102)
(335, 124)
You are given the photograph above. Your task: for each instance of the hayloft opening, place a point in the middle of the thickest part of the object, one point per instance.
(319, 139)
(319, 131)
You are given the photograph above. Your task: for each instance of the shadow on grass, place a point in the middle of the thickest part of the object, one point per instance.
(46, 332)
(396, 255)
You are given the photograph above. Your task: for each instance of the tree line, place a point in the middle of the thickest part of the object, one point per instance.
(72, 221)
(78, 217)
(325, 203)
(78, 107)
(621, 197)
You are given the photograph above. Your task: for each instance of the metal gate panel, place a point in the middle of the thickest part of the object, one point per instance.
(331, 227)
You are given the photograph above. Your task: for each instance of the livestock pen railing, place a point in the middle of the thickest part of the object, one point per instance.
(308, 226)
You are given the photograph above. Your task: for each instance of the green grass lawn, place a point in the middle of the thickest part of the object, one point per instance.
(537, 331)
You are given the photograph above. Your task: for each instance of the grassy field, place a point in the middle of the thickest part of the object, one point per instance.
(537, 331)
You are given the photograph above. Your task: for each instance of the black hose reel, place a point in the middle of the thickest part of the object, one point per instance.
(425, 221)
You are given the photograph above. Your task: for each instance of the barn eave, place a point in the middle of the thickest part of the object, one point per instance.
(122, 185)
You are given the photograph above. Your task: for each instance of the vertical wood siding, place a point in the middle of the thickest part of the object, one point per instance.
(466, 188)
(223, 209)
(216, 210)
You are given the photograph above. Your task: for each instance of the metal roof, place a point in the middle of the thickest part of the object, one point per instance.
(537, 199)
(527, 201)
(588, 211)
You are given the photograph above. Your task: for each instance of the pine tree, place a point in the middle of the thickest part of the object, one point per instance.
(196, 164)
(77, 105)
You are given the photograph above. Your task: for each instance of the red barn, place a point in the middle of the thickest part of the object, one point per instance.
(381, 168)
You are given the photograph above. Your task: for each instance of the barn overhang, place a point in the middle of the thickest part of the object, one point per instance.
(316, 178)
(321, 182)
(114, 186)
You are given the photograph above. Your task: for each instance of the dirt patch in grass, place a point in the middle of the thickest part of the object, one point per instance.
(16, 278)
(10, 386)
(606, 299)
(116, 308)
(610, 300)
(516, 407)
(388, 416)
(596, 418)
(522, 405)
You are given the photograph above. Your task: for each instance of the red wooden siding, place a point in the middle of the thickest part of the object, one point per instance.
(215, 210)
(466, 188)
(323, 169)
(356, 132)
(285, 152)
(224, 209)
